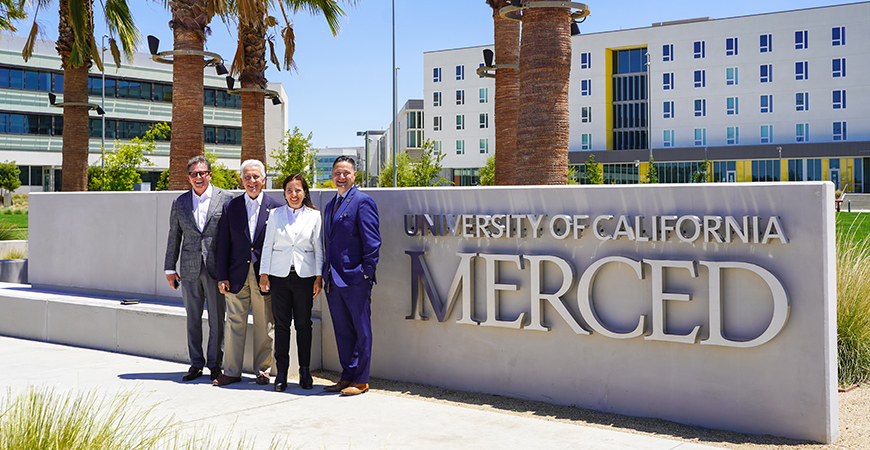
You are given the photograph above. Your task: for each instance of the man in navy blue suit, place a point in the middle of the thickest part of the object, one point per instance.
(352, 241)
(241, 231)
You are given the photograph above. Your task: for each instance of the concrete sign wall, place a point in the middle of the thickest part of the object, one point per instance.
(710, 305)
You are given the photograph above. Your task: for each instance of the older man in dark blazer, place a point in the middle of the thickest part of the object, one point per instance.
(240, 243)
(193, 227)
(352, 240)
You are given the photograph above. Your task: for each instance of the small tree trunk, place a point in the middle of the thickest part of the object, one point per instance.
(507, 92)
(187, 108)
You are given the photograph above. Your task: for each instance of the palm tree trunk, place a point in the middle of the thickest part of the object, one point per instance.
(253, 37)
(507, 91)
(189, 21)
(76, 136)
(545, 66)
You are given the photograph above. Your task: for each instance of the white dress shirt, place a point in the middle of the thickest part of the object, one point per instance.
(252, 205)
(200, 206)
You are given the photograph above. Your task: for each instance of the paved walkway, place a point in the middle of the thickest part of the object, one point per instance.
(308, 419)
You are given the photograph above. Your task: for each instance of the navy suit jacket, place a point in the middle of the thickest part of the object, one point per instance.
(351, 239)
(235, 251)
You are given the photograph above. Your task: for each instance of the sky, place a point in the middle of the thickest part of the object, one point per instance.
(344, 83)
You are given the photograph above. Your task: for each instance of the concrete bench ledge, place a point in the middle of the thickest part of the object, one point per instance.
(145, 329)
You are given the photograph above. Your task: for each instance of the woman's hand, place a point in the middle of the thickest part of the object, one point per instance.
(318, 285)
(264, 282)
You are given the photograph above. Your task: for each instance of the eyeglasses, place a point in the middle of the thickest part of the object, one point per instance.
(251, 177)
(201, 173)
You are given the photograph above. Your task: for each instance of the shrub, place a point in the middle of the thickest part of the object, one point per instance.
(853, 307)
(8, 232)
(14, 253)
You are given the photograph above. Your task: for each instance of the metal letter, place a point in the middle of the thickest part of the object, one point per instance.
(420, 274)
(492, 289)
(597, 230)
(584, 298)
(659, 297)
(555, 299)
(564, 217)
(774, 230)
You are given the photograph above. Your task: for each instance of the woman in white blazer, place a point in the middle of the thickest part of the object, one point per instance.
(290, 268)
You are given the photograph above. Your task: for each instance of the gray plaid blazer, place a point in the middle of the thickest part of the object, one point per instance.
(186, 239)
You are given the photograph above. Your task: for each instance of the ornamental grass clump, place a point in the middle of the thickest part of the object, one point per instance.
(853, 307)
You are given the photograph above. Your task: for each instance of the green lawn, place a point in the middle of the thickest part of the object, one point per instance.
(16, 221)
(859, 223)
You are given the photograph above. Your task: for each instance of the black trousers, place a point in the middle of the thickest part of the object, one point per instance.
(292, 300)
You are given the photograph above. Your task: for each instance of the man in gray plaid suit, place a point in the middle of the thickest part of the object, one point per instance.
(193, 229)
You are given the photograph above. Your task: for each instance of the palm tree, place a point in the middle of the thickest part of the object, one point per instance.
(250, 60)
(545, 66)
(190, 19)
(77, 49)
(507, 91)
(11, 10)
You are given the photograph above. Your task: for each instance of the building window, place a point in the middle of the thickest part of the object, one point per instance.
(731, 46)
(668, 138)
(460, 73)
(436, 99)
(766, 103)
(839, 131)
(838, 67)
(436, 75)
(586, 141)
(667, 52)
(732, 135)
(802, 101)
(766, 170)
(766, 134)
(479, 66)
(585, 60)
(700, 78)
(838, 36)
(801, 70)
(731, 76)
(668, 81)
(700, 107)
(732, 106)
(700, 49)
(484, 95)
(484, 145)
(765, 43)
(436, 123)
(460, 96)
(700, 136)
(460, 121)
(586, 114)
(839, 99)
(484, 120)
(460, 147)
(585, 87)
(801, 40)
(766, 73)
(802, 132)
(436, 147)
(668, 110)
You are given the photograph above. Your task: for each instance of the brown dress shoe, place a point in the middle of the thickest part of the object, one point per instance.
(355, 389)
(337, 387)
(262, 379)
(223, 380)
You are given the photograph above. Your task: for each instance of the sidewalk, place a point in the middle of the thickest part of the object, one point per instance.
(309, 419)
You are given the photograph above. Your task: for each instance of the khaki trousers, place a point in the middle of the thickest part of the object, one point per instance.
(238, 305)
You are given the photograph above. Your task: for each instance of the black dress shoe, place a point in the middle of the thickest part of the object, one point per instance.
(281, 382)
(192, 373)
(214, 372)
(305, 380)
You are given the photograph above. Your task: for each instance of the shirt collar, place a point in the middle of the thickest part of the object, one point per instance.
(253, 201)
(205, 195)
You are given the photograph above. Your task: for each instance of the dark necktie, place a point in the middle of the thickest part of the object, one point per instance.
(337, 205)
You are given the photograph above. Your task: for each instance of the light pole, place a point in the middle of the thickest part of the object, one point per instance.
(649, 106)
(366, 135)
(103, 119)
(395, 94)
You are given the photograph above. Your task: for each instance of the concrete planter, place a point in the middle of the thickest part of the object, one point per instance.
(13, 271)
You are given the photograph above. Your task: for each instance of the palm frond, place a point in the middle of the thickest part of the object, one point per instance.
(289, 48)
(79, 22)
(330, 10)
(119, 20)
(95, 54)
(238, 60)
(116, 53)
(27, 51)
(271, 21)
(272, 54)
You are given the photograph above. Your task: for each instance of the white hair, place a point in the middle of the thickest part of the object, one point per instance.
(253, 162)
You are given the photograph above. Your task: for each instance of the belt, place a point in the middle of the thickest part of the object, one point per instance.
(292, 269)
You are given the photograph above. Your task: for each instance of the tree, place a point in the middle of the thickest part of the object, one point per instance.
(542, 124)
(594, 173)
(424, 171)
(190, 19)
(221, 176)
(700, 175)
(295, 156)
(507, 92)
(120, 169)
(487, 172)
(249, 63)
(11, 10)
(652, 173)
(9, 177)
(78, 49)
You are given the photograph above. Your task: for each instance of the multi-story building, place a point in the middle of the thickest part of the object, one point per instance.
(137, 96)
(326, 157)
(458, 110)
(768, 97)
